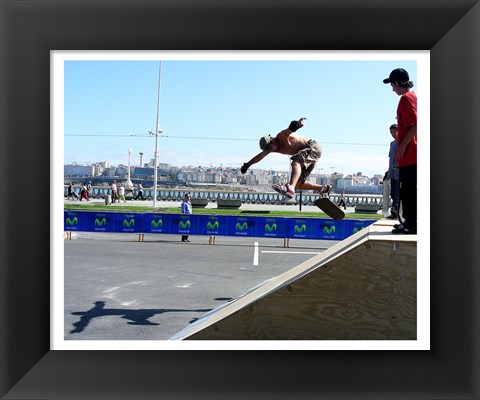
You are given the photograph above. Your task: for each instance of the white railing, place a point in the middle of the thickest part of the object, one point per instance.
(246, 197)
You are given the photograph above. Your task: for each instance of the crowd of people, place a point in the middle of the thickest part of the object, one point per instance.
(117, 194)
(85, 191)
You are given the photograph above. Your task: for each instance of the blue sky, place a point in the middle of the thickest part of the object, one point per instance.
(215, 111)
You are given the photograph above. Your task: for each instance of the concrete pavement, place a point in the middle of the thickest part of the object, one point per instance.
(116, 288)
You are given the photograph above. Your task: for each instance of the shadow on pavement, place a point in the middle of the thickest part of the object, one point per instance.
(135, 317)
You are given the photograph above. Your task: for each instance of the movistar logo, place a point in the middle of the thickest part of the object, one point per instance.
(270, 228)
(212, 226)
(241, 227)
(328, 230)
(128, 224)
(156, 224)
(355, 230)
(73, 221)
(100, 222)
(184, 225)
(300, 229)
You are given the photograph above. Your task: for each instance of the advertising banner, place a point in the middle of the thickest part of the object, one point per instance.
(302, 228)
(74, 221)
(213, 225)
(184, 224)
(241, 226)
(330, 229)
(100, 221)
(156, 223)
(355, 226)
(128, 222)
(271, 227)
(216, 225)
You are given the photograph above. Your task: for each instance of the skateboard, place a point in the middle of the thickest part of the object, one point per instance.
(386, 198)
(329, 208)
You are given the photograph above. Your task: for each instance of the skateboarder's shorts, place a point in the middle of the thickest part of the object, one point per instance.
(308, 157)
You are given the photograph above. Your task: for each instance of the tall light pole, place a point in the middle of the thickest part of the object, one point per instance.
(157, 131)
(129, 184)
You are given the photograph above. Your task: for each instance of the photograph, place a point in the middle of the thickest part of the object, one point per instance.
(37, 229)
(313, 205)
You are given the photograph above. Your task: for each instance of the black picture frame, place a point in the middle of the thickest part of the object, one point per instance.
(30, 30)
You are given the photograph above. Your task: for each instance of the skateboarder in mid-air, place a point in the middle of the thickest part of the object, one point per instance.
(305, 153)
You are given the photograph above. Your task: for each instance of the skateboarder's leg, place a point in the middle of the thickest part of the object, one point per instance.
(298, 181)
(296, 173)
(307, 185)
(301, 174)
(289, 189)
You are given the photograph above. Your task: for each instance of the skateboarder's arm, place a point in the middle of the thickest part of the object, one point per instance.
(259, 157)
(295, 125)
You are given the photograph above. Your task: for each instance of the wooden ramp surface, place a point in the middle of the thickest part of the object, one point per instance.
(364, 287)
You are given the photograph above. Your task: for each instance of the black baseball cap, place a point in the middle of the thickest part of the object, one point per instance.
(397, 75)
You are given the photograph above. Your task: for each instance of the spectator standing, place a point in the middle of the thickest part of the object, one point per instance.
(186, 209)
(392, 173)
(406, 154)
(121, 193)
(113, 188)
(71, 193)
(89, 189)
(341, 201)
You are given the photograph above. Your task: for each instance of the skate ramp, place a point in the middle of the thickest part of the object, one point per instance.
(363, 288)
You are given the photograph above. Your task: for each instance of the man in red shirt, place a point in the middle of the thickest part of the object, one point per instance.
(406, 154)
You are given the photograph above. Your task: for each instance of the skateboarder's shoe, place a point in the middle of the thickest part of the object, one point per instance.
(325, 190)
(286, 190)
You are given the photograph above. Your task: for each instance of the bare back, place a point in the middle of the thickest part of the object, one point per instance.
(289, 142)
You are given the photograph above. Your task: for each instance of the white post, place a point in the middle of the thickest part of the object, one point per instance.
(157, 131)
(129, 184)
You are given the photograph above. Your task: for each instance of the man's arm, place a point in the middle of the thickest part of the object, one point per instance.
(295, 125)
(412, 131)
(259, 157)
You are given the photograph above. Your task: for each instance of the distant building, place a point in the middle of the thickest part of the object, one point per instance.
(354, 183)
(110, 172)
(377, 179)
(143, 173)
(358, 183)
(98, 168)
(122, 171)
(78, 171)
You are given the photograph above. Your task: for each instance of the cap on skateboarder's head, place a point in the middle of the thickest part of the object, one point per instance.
(265, 142)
